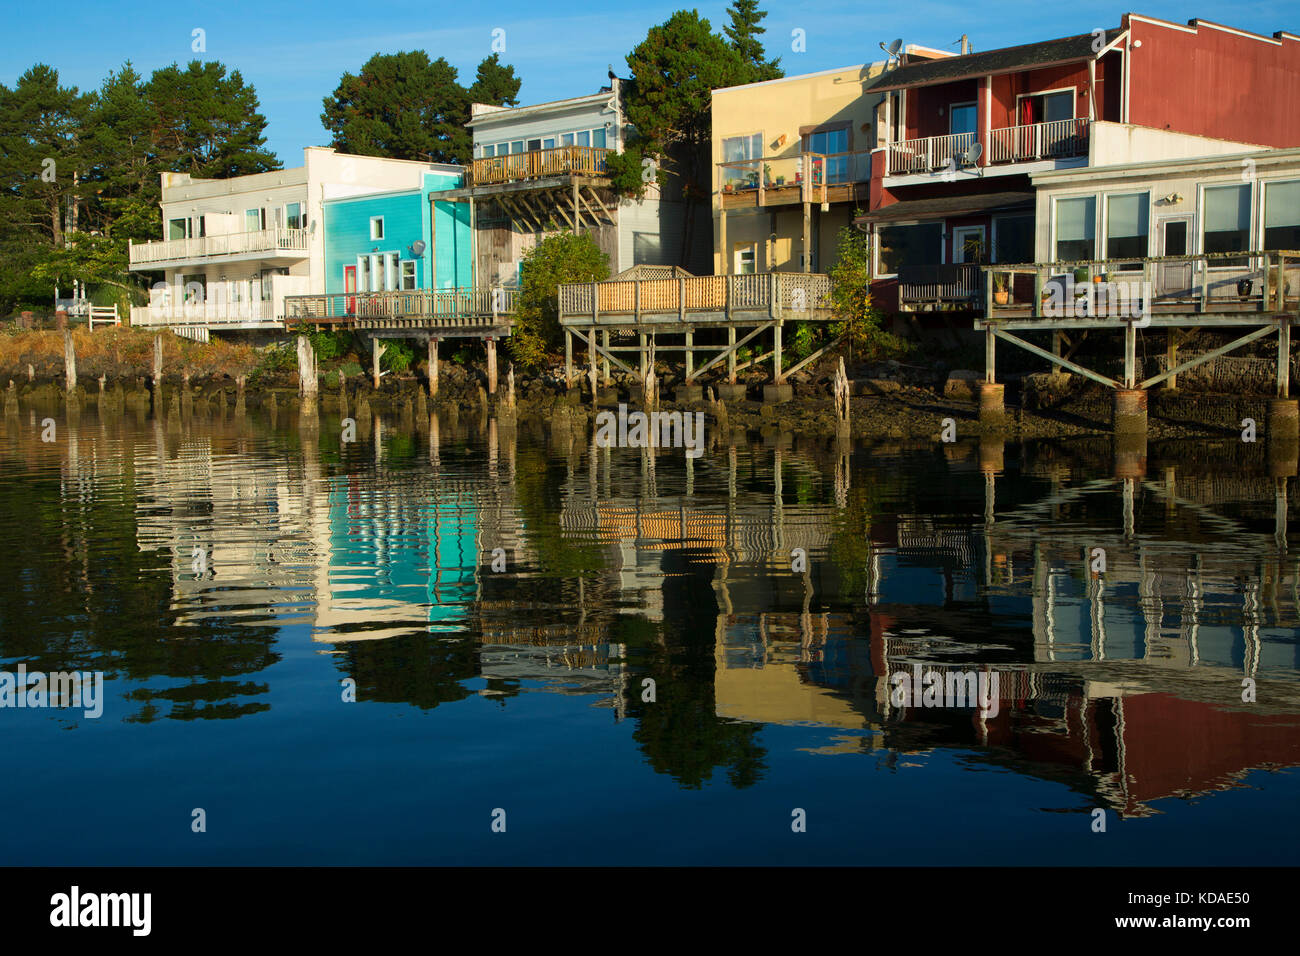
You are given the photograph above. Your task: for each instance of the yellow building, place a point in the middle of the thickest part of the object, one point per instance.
(792, 161)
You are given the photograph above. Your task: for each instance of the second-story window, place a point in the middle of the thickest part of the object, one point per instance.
(738, 148)
(827, 142)
(254, 220)
(1282, 215)
(293, 215)
(376, 227)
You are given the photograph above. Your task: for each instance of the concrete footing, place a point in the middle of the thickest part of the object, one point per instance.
(1283, 422)
(688, 394)
(778, 394)
(992, 407)
(728, 392)
(1130, 411)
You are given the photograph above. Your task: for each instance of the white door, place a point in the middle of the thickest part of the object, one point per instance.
(1174, 238)
(968, 244)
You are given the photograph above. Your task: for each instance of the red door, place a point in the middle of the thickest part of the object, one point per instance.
(350, 286)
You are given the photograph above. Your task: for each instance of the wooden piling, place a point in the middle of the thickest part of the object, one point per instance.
(69, 361)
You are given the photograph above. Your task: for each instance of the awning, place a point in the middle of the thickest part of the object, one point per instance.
(947, 206)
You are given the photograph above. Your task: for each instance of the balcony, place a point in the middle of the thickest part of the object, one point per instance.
(806, 177)
(1059, 139)
(928, 287)
(538, 164)
(261, 244)
(213, 307)
(449, 312)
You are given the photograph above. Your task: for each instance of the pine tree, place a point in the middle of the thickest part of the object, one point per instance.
(744, 33)
(495, 83)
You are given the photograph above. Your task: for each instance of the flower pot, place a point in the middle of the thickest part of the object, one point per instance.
(1244, 287)
(1002, 298)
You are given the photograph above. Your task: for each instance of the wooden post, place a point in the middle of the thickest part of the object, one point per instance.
(377, 349)
(568, 358)
(69, 361)
(591, 357)
(1171, 357)
(807, 214)
(307, 380)
(731, 354)
(990, 354)
(690, 357)
(641, 344)
(1130, 355)
(157, 361)
(433, 366)
(776, 354)
(577, 215)
(492, 364)
(604, 341)
(1284, 359)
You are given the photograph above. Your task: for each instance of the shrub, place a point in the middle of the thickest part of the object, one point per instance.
(556, 259)
(397, 356)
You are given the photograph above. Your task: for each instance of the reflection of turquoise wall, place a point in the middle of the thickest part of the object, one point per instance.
(406, 219)
(418, 555)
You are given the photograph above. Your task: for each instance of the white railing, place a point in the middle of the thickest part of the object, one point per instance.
(929, 153)
(1055, 140)
(234, 243)
(204, 313)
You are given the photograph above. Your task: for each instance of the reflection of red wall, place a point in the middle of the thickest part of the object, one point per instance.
(1213, 83)
(1172, 745)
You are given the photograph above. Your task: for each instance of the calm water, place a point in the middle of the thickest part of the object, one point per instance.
(501, 602)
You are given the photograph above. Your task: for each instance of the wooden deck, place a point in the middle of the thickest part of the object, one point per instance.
(538, 164)
(697, 301)
(447, 313)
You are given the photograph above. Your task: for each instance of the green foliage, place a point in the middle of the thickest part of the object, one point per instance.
(327, 345)
(397, 356)
(804, 341)
(332, 380)
(406, 106)
(856, 317)
(280, 357)
(350, 369)
(744, 32)
(556, 259)
(627, 172)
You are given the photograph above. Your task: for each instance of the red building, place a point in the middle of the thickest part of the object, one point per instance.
(951, 187)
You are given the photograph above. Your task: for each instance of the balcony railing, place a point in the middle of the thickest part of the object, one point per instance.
(451, 305)
(958, 282)
(278, 240)
(801, 178)
(204, 313)
(1059, 139)
(929, 153)
(538, 164)
(615, 301)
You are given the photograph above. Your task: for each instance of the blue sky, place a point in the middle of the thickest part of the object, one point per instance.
(294, 54)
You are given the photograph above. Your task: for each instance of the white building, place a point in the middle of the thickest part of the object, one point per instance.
(234, 248)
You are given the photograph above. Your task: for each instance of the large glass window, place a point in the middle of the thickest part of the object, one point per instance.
(1126, 227)
(177, 228)
(584, 138)
(1226, 222)
(828, 142)
(1076, 229)
(598, 138)
(293, 215)
(408, 275)
(914, 245)
(737, 148)
(1013, 239)
(254, 220)
(1282, 215)
(363, 274)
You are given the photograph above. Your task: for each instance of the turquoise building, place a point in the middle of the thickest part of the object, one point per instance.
(400, 240)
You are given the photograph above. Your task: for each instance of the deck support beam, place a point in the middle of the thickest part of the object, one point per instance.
(990, 355)
(433, 366)
(1206, 356)
(1056, 359)
(491, 364)
(1283, 355)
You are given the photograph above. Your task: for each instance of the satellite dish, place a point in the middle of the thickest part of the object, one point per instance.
(895, 47)
(417, 248)
(973, 153)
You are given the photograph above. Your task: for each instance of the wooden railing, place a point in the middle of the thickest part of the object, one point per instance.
(953, 282)
(537, 164)
(234, 243)
(802, 178)
(346, 307)
(1058, 139)
(1225, 282)
(785, 294)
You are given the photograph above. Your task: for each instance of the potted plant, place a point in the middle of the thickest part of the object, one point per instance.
(1244, 287)
(780, 180)
(727, 187)
(1001, 294)
(767, 174)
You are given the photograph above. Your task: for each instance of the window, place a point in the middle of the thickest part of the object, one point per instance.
(962, 118)
(376, 227)
(1047, 107)
(363, 274)
(390, 271)
(534, 144)
(827, 142)
(1282, 215)
(1226, 222)
(178, 228)
(1013, 239)
(548, 143)
(1076, 229)
(746, 259)
(566, 139)
(408, 275)
(645, 248)
(293, 215)
(914, 245)
(1126, 227)
(489, 152)
(584, 138)
(736, 148)
(598, 138)
(194, 288)
(517, 146)
(254, 220)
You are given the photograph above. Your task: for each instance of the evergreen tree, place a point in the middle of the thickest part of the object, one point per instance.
(495, 83)
(744, 33)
